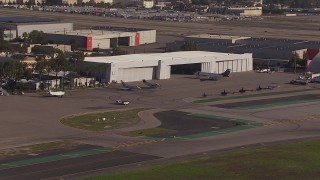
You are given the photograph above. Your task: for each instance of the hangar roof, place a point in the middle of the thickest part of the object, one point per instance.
(95, 33)
(159, 56)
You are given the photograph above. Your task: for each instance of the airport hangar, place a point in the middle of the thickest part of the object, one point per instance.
(15, 26)
(135, 67)
(103, 37)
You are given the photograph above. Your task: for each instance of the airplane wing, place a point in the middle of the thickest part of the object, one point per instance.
(151, 85)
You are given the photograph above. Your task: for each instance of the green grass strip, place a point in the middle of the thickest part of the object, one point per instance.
(100, 121)
(285, 103)
(286, 161)
(251, 95)
(54, 158)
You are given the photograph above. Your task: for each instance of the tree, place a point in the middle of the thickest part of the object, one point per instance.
(43, 50)
(40, 66)
(189, 46)
(25, 36)
(36, 37)
(74, 44)
(298, 62)
(5, 46)
(75, 61)
(20, 66)
(1, 35)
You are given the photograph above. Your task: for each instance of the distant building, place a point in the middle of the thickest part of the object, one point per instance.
(148, 3)
(245, 11)
(261, 48)
(35, 1)
(105, 38)
(69, 2)
(25, 24)
(8, 34)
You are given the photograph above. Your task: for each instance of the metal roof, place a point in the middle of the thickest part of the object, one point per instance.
(183, 55)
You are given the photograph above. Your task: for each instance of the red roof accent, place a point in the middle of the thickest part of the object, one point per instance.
(312, 53)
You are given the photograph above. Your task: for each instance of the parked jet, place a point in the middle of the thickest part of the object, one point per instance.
(56, 93)
(150, 84)
(299, 81)
(212, 76)
(129, 87)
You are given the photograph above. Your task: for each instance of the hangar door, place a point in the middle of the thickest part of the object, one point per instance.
(224, 65)
(237, 65)
(136, 74)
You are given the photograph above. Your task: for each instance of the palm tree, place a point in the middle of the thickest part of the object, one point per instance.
(25, 37)
(57, 64)
(19, 64)
(75, 62)
(40, 66)
(190, 46)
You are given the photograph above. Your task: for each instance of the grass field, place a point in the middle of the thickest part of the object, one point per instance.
(299, 160)
(103, 120)
(250, 95)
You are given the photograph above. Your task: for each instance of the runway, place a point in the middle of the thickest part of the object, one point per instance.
(54, 169)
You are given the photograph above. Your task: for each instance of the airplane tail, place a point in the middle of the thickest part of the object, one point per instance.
(226, 73)
(196, 74)
(123, 84)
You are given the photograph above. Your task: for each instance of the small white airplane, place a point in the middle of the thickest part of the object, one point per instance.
(129, 87)
(57, 93)
(150, 84)
(212, 76)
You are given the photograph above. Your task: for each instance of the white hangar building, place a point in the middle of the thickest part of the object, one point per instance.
(135, 67)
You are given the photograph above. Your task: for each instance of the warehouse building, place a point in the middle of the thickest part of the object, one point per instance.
(135, 67)
(104, 37)
(277, 51)
(17, 25)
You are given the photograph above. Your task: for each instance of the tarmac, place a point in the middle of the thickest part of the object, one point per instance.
(38, 121)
